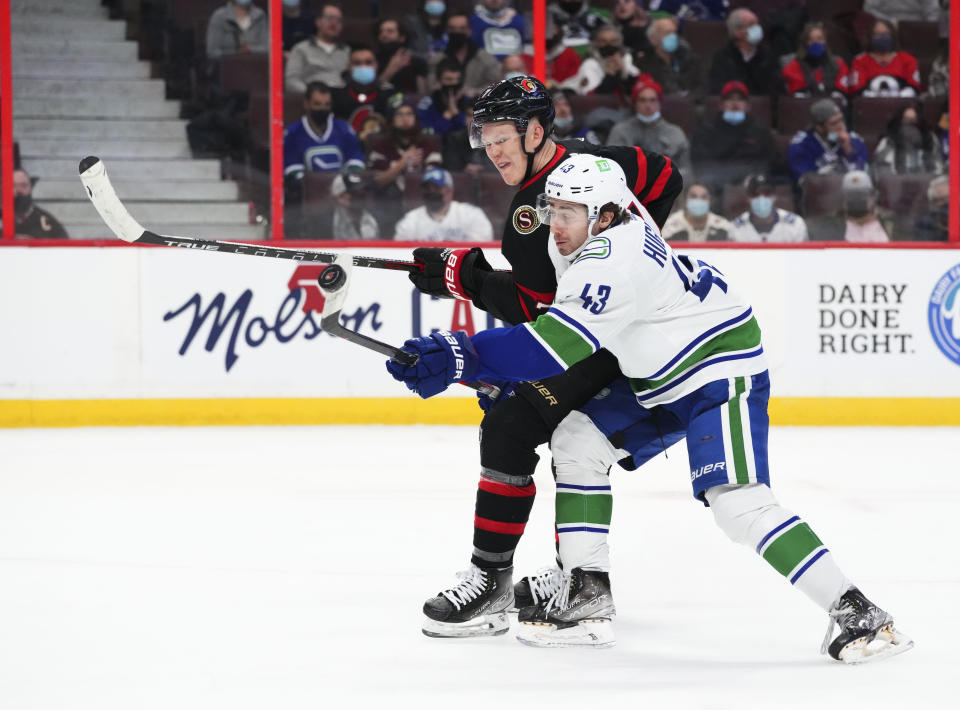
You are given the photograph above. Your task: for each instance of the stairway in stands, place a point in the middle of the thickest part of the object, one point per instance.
(79, 89)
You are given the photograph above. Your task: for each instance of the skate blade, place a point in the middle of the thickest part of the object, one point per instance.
(487, 625)
(588, 633)
(886, 643)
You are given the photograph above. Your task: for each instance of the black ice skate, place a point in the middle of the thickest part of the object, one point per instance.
(578, 614)
(537, 587)
(476, 606)
(866, 631)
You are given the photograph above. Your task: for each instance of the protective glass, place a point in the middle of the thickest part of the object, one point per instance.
(497, 137)
(560, 213)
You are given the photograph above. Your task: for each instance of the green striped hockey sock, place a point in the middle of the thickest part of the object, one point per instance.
(583, 521)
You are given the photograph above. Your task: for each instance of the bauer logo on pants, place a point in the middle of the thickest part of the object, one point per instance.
(943, 314)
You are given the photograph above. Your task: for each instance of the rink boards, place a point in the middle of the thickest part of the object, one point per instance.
(130, 335)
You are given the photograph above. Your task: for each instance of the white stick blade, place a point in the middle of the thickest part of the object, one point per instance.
(333, 300)
(101, 193)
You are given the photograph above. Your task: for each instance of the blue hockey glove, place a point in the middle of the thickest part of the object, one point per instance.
(444, 358)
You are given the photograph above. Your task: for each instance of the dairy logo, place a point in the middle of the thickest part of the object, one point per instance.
(943, 314)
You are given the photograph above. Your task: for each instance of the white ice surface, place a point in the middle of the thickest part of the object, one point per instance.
(285, 568)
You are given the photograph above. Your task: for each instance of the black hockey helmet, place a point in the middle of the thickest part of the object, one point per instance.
(517, 99)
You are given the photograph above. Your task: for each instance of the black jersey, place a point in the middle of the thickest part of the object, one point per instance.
(527, 291)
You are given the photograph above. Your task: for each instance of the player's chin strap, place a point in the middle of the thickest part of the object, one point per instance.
(531, 154)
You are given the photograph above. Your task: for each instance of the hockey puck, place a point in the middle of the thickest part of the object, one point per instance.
(332, 278)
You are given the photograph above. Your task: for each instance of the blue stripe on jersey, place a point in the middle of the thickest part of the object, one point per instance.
(583, 528)
(803, 569)
(560, 315)
(574, 486)
(699, 339)
(642, 396)
(513, 354)
(773, 532)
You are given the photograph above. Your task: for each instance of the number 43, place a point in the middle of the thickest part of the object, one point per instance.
(597, 303)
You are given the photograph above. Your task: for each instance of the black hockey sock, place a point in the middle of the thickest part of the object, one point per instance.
(501, 515)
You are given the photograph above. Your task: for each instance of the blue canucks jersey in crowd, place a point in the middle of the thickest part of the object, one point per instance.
(500, 38)
(304, 150)
(699, 9)
(809, 153)
(432, 119)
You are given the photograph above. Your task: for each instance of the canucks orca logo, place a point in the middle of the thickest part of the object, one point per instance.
(943, 314)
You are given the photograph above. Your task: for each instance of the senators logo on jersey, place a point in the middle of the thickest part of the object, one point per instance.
(525, 219)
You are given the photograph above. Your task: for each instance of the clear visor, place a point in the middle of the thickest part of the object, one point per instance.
(560, 212)
(497, 133)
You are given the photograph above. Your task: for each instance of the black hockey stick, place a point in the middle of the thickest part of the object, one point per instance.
(333, 282)
(93, 175)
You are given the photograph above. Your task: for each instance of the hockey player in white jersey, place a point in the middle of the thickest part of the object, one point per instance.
(691, 348)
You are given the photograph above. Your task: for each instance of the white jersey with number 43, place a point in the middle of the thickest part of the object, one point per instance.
(672, 320)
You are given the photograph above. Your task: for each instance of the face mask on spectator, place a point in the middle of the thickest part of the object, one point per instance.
(697, 206)
(433, 201)
(319, 116)
(832, 137)
(816, 49)
(649, 119)
(734, 118)
(243, 3)
(607, 51)
(761, 206)
(670, 42)
(881, 43)
(291, 3)
(563, 123)
(22, 204)
(571, 7)
(434, 7)
(754, 34)
(363, 75)
(456, 40)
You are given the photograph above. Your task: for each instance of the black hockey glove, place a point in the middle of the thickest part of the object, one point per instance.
(449, 273)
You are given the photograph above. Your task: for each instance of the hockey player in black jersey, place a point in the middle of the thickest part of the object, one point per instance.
(513, 120)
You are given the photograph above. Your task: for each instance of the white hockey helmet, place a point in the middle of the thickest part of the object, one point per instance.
(587, 180)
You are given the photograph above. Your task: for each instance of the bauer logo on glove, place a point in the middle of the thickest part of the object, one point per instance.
(442, 359)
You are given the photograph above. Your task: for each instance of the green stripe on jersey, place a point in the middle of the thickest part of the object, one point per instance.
(569, 345)
(580, 508)
(791, 547)
(744, 337)
(736, 433)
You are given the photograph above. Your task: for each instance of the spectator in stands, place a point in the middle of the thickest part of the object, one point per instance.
(373, 125)
(896, 10)
(322, 57)
(442, 111)
(318, 142)
(348, 217)
(782, 21)
(938, 83)
(711, 10)
(827, 146)
(815, 71)
(363, 94)
(577, 19)
(513, 65)
(563, 62)
(29, 219)
(238, 26)
(480, 68)
(933, 226)
(608, 69)
(883, 70)
(566, 126)
(908, 146)
(458, 156)
(497, 28)
(632, 20)
(732, 145)
(441, 218)
(648, 129)
(860, 210)
(670, 60)
(695, 222)
(299, 24)
(402, 152)
(764, 222)
(744, 58)
(399, 66)
(427, 28)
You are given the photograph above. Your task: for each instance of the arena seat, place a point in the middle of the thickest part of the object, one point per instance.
(921, 39)
(359, 31)
(903, 194)
(316, 189)
(706, 38)
(871, 115)
(821, 195)
(793, 114)
(582, 105)
(245, 72)
(680, 111)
